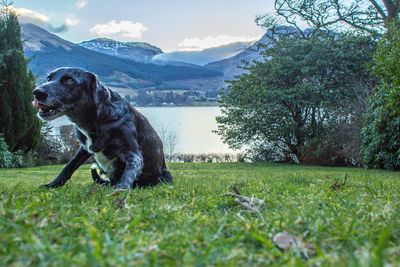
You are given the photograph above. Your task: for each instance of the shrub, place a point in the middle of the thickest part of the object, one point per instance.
(7, 158)
(380, 134)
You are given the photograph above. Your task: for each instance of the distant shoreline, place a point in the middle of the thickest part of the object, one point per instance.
(196, 104)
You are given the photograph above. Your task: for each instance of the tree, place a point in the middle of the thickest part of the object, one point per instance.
(170, 141)
(381, 135)
(18, 123)
(371, 16)
(297, 97)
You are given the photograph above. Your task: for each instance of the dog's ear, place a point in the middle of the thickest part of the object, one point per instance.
(100, 93)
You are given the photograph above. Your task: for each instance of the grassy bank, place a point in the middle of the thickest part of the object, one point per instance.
(193, 223)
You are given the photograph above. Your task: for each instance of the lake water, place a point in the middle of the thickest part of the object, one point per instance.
(192, 126)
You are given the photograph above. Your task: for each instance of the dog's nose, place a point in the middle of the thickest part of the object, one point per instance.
(40, 94)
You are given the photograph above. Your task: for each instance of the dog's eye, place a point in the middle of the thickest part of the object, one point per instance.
(68, 80)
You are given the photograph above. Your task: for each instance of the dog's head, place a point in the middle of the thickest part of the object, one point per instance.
(66, 90)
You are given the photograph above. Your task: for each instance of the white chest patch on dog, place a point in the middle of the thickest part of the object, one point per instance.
(105, 164)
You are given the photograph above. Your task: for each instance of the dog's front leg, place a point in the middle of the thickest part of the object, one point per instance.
(133, 168)
(80, 157)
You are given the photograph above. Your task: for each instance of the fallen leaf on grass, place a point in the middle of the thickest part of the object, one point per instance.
(116, 193)
(45, 221)
(286, 241)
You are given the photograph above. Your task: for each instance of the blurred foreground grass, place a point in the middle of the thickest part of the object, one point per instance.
(193, 223)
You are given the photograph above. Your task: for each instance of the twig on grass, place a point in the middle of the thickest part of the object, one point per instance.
(119, 202)
(251, 203)
(234, 188)
(337, 186)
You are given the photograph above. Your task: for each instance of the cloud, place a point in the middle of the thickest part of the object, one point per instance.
(81, 4)
(71, 20)
(27, 15)
(196, 43)
(30, 15)
(124, 29)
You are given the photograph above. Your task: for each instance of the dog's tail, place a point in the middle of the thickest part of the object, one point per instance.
(96, 177)
(166, 176)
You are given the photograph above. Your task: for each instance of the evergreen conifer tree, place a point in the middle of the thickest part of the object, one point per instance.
(18, 122)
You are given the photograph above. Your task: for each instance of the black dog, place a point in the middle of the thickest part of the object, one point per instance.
(126, 147)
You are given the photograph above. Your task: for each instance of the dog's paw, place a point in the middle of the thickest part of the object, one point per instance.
(97, 178)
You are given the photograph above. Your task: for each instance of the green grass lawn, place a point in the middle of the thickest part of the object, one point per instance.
(193, 223)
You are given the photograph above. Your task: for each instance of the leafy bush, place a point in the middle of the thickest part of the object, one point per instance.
(380, 134)
(7, 158)
(32, 159)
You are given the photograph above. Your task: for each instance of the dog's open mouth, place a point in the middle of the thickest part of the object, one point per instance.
(47, 112)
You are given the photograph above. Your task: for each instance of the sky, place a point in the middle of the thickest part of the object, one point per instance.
(171, 25)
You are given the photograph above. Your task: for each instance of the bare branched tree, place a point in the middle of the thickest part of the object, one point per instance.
(370, 16)
(170, 140)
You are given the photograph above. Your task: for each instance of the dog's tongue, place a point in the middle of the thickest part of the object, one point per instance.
(37, 105)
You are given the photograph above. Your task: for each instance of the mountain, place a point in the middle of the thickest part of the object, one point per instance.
(48, 51)
(145, 52)
(114, 65)
(138, 51)
(230, 65)
(204, 56)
